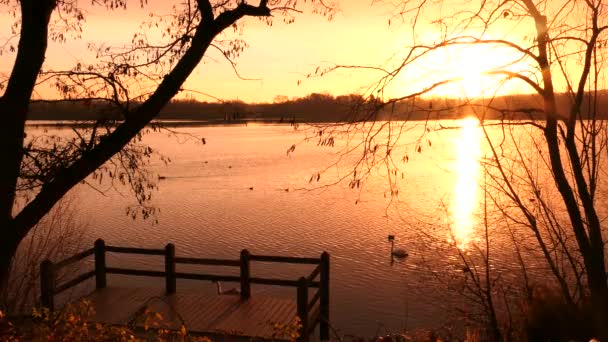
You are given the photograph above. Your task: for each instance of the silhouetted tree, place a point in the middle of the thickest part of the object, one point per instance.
(559, 170)
(132, 82)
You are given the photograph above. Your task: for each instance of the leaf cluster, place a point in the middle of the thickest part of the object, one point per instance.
(73, 323)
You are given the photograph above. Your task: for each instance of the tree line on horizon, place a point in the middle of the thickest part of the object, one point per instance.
(315, 107)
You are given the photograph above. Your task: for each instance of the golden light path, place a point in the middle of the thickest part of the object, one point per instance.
(464, 200)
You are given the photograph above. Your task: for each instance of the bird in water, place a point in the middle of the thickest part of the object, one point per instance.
(398, 253)
(220, 291)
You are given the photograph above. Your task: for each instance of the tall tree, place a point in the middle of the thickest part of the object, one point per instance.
(557, 50)
(132, 83)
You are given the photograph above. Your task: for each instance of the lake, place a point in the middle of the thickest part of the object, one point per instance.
(241, 189)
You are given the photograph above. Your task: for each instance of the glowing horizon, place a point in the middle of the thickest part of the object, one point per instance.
(280, 57)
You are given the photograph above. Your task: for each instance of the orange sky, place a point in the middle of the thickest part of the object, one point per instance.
(282, 54)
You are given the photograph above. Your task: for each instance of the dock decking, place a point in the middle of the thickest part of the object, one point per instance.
(211, 316)
(239, 316)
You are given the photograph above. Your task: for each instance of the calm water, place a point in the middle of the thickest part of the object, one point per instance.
(209, 210)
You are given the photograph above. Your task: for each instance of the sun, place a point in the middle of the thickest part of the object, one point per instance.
(469, 77)
(467, 68)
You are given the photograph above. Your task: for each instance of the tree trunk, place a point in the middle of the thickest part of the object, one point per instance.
(596, 278)
(35, 16)
(591, 246)
(8, 248)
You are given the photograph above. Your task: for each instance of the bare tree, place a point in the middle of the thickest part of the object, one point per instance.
(58, 235)
(130, 84)
(543, 169)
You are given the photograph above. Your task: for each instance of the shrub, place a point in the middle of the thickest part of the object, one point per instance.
(72, 324)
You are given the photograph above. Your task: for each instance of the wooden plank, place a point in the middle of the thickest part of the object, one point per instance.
(277, 311)
(113, 305)
(281, 282)
(232, 322)
(256, 327)
(198, 310)
(171, 309)
(313, 318)
(242, 320)
(120, 305)
(227, 304)
(286, 313)
(285, 259)
(210, 277)
(314, 299)
(135, 250)
(211, 315)
(128, 271)
(280, 314)
(74, 258)
(202, 316)
(265, 316)
(202, 261)
(246, 317)
(314, 273)
(274, 281)
(79, 279)
(195, 311)
(263, 325)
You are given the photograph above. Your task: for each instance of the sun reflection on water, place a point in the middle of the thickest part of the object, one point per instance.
(464, 199)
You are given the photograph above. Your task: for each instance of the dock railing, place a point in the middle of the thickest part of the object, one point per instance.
(310, 309)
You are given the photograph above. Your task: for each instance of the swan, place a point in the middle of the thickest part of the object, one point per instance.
(220, 291)
(399, 253)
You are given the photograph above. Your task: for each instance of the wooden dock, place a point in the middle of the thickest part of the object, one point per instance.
(239, 317)
(211, 316)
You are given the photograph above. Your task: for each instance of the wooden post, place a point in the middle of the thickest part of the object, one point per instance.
(324, 299)
(47, 285)
(170, 280)
(245, 275)
(302, 307)
(100, 264)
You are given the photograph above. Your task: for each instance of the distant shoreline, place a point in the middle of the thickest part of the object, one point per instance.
(314, 108)
(165, 123)
(238, 122)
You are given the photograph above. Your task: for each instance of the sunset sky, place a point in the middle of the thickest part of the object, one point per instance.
(282, 55)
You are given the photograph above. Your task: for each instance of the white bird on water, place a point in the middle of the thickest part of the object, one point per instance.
(398, 253)
(220, 291)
